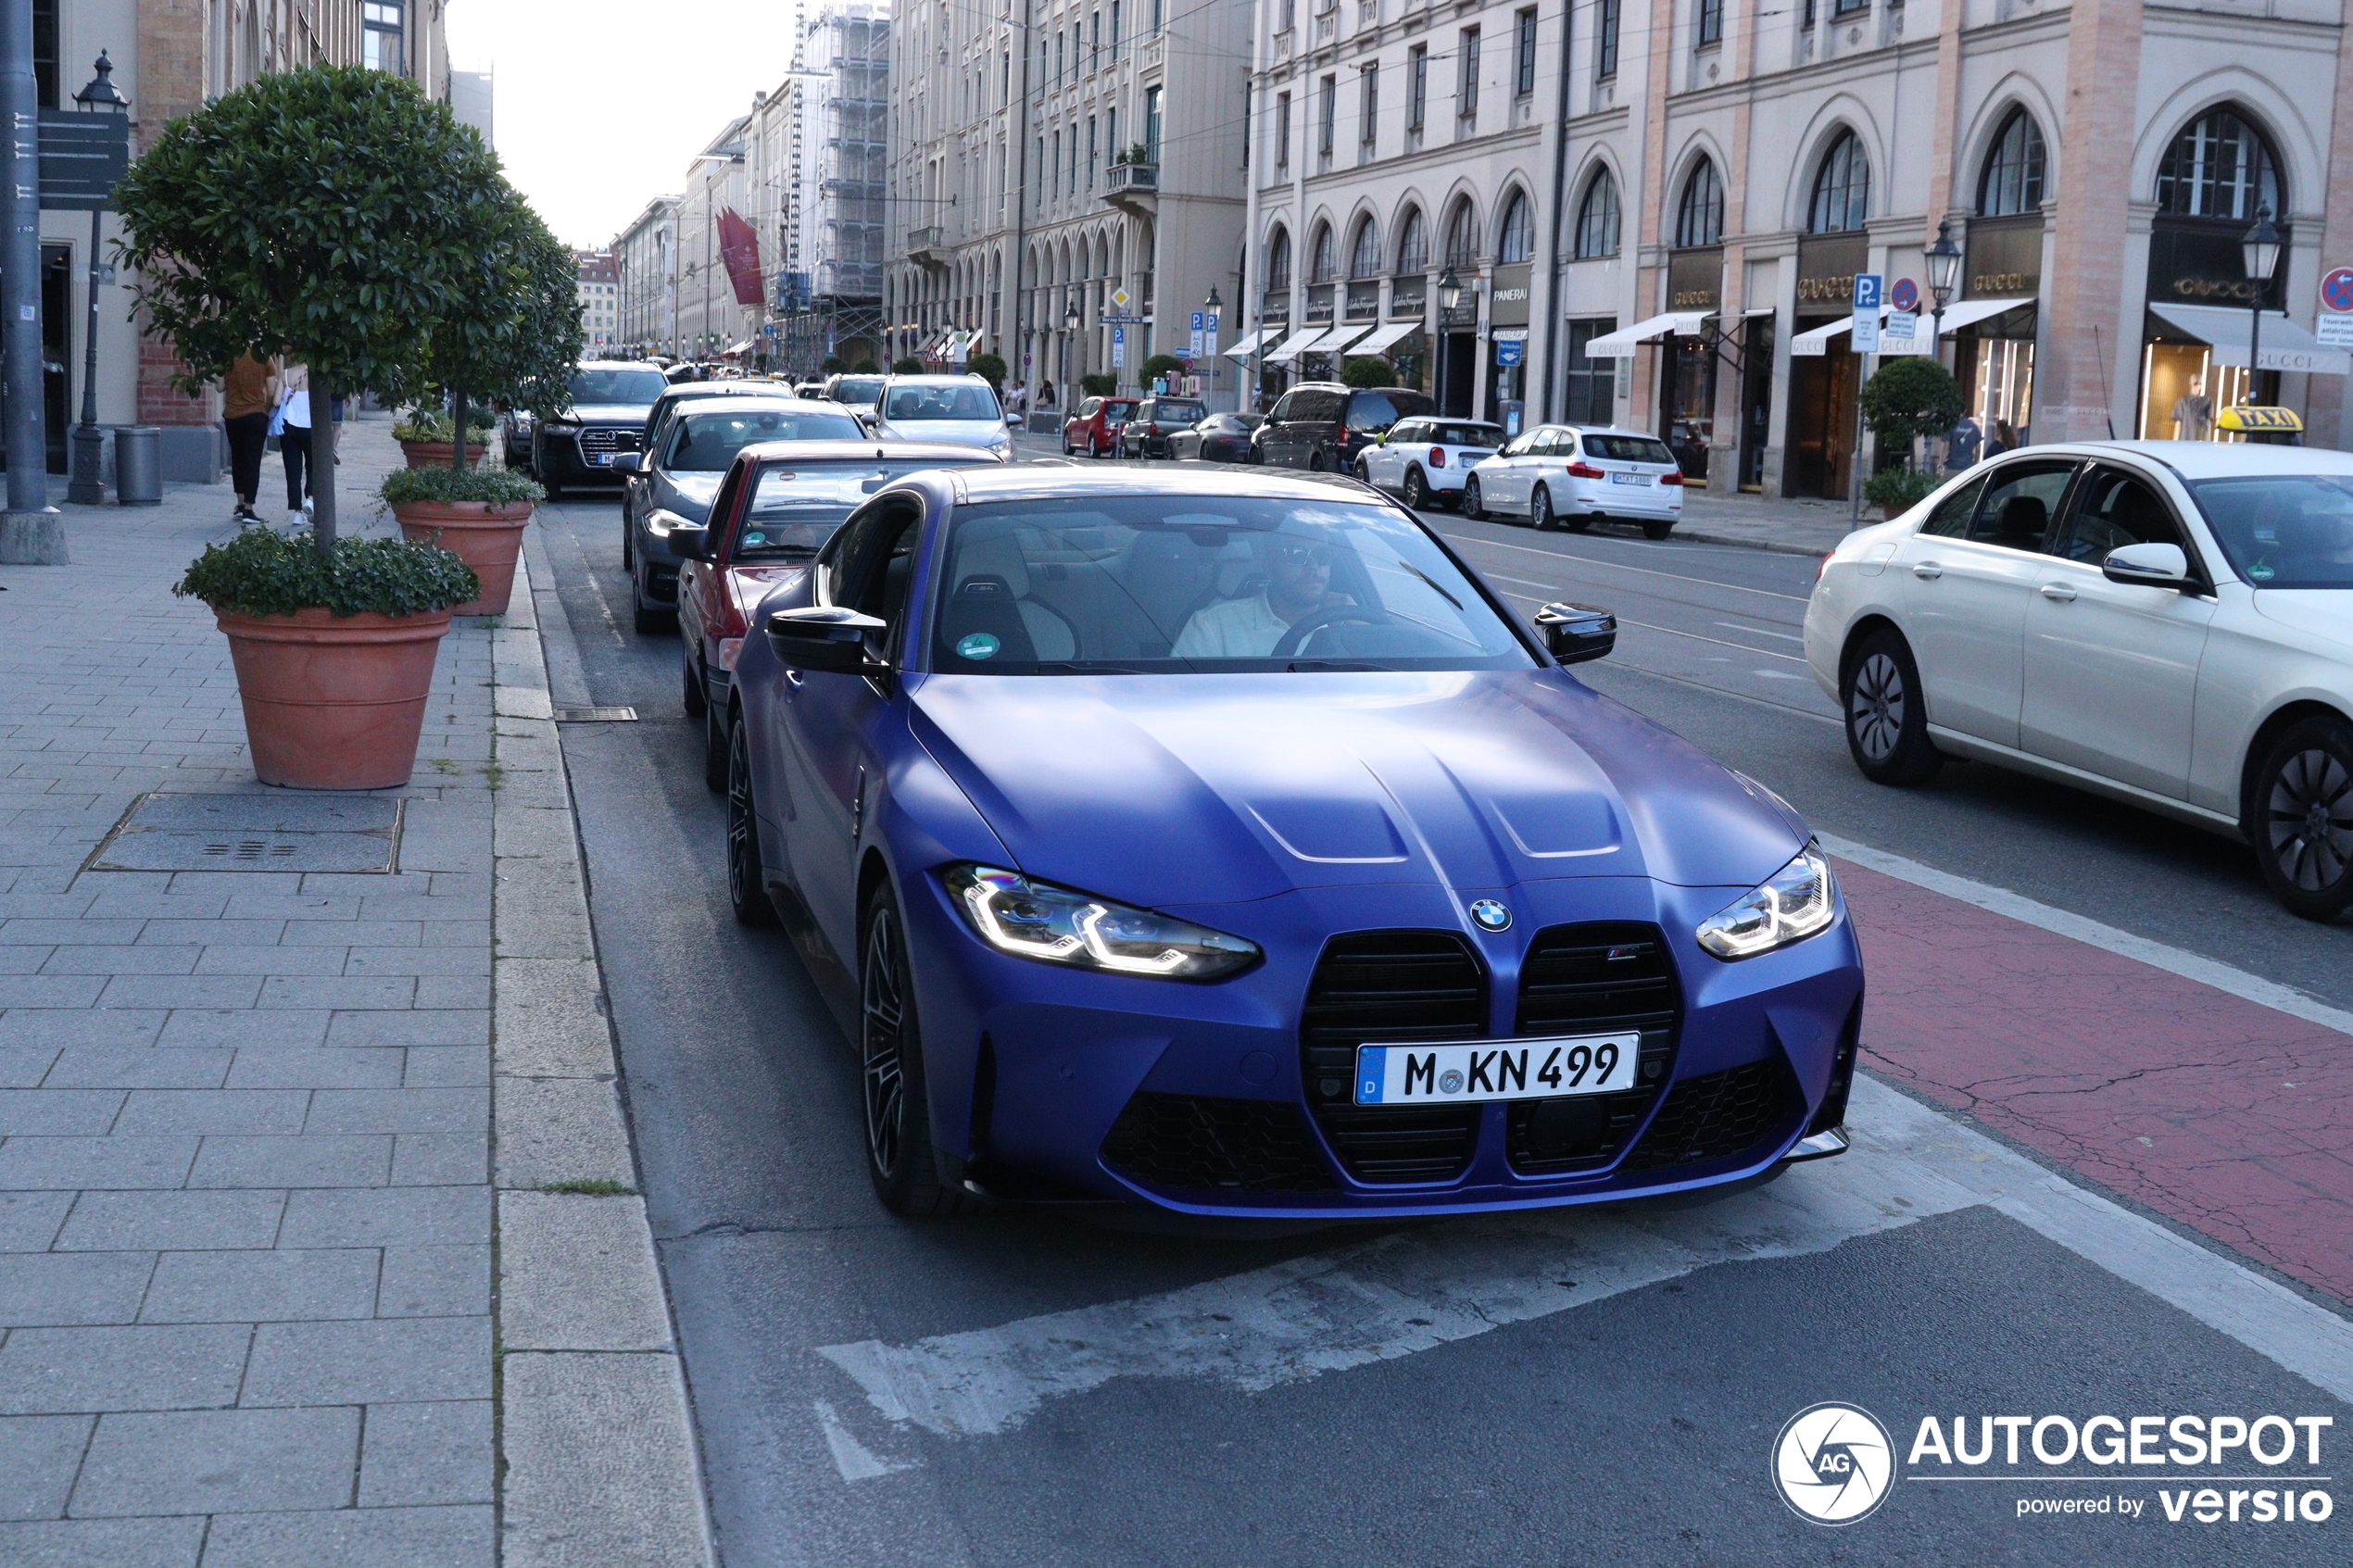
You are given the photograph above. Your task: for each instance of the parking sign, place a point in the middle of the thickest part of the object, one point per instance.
(1867, 294)
(1118, 348)
(1196, 347)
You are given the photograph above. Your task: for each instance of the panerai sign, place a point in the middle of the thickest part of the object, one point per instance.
(1507, 296)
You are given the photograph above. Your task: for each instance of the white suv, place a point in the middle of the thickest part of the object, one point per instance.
(961, 409)
(1578, 475)
(2164, 622)
(1424, 458)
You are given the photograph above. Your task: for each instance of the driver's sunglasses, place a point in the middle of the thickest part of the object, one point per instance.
(1292, 553)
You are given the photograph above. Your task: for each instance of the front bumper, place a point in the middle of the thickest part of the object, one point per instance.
(1033, 1068)
(572, 456)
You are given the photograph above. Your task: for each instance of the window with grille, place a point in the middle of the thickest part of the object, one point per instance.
(1413, 243)
(1369, 108)
(1517, 241)
(1605, 19)
(1524, 63)
(1711, 22)
(2219, 167)
(1363, 257)
(1417, 86)
(2013, 178)
(1326, 96)
(1466, 78)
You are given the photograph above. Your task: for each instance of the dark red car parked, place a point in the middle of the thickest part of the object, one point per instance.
(780, 501)
(1095, 427)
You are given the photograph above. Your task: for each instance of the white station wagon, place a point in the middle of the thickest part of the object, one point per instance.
(2165, 623)
(1577, 475)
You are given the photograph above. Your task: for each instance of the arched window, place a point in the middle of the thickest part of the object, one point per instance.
(1518, 242)
(1363, 257)
(2219, 166)
(1842, 188)
(1462, 237)
(1279, 262)
(2013, 177)
(1324, 270)
(1597, 218)
(1699, 218)
(1412, 244)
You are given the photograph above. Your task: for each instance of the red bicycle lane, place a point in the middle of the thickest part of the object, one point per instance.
(2227, 1116)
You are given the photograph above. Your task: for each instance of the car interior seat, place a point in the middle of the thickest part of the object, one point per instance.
(2021, 522)
(992, 595)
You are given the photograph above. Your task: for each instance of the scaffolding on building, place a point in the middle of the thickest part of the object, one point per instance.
(830, 304)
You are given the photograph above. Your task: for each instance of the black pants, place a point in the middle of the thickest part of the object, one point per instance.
(293, 444)
(248, 433)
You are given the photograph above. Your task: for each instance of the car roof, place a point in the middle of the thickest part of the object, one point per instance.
(965, 379)
(616, 365)
(2208, 460)
(1053, 478)
(781, 400)
(945, 451)
(1601, 430)
(680, 391)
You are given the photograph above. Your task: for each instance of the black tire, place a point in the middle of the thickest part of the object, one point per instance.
(690, 689)
(1886, 720)
(555, 490)
(1539, 510)
(649, 619)
(1657, 530)
(1416, 488)
(1473, 508)
(1315, 460)
(746, 885)
(893, 1096)
(714, 749)
(2301, 817)
(1363, 471)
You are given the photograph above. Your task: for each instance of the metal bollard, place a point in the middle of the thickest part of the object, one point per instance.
(138, 480)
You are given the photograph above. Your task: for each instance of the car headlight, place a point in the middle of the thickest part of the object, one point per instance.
(1793, 904)
(1036, 920)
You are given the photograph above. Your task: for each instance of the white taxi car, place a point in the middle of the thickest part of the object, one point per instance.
(1577, 475)
(2168, 623)
(1423, 457)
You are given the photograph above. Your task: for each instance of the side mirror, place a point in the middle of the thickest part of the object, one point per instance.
(1576, 633)
(2149, 566)
(822, 637)
(690, 540)
(625, 462)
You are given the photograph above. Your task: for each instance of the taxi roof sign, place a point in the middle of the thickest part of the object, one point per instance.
(2244, 417)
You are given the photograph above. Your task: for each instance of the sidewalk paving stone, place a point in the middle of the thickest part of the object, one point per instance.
(163, 1221)
(219, 1461)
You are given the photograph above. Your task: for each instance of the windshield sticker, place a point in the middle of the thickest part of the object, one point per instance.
(980, 645)
(2262, 571)
(751, 539)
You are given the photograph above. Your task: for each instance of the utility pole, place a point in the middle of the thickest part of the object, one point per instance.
(32, 532)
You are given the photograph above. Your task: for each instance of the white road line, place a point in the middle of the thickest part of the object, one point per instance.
(2157, 954)
(1620, 566)
(1761, 632)
(1418, 1289)
(851, 1457)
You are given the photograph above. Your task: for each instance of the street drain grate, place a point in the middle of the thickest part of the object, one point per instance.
(254, 833)
(596, 715)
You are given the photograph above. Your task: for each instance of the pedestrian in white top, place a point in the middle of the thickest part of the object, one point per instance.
(294, 442)
(1297, 585)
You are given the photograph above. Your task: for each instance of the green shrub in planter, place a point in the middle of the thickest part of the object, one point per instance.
(263, 572)
(906, 365)
(1098, 386)
(1367, 370)
(498, 487)
(989, 368)
(1898, 490)
(1157, 366)
(434, 424)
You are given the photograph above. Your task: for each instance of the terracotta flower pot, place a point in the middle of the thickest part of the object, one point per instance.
(439, 454)
(334, 702)
(485, 535)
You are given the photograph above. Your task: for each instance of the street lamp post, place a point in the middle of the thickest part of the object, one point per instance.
(1449, 295)
(85, 487)
(1070, 339)
(2260, 250)
(1944, 271)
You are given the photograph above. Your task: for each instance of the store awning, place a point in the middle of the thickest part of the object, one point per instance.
(738, 351)
(1621, 344)
(1250, 341)
(1387, 336)
(2283, 346)
(1962, 313)
(1294, 346)
(1340, 337)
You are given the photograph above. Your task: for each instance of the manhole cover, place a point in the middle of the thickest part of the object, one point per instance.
(254, 833)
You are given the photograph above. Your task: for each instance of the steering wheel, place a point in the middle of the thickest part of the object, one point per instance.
(1330, 615)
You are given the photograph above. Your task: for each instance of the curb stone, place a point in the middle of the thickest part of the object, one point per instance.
(599, 1467)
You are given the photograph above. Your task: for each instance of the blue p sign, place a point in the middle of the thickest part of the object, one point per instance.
(1866, 290)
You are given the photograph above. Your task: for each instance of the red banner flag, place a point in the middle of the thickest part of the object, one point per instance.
(739, 248)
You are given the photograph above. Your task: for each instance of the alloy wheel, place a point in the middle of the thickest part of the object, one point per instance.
(738, 813)
(1875, 712)
(882, 1014)
(1416, 489)
(1539, 510)
(2310, 819)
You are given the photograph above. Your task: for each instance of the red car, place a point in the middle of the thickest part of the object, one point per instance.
(1095, 427)
(780, 501)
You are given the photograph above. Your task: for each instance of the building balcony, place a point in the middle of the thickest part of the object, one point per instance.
(1134, 187)
(928, 246)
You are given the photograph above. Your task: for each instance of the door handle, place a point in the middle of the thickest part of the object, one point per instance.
(792, 678)
(2058, 593)
(1928, 569)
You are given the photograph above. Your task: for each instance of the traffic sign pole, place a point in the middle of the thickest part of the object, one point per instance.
(1868, 288)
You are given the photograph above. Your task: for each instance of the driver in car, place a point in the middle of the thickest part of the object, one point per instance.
(1297, 585)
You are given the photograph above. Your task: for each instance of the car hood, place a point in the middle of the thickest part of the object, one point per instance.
(2325, 613)
(1199, 789)
(965, 432)
(609, 413)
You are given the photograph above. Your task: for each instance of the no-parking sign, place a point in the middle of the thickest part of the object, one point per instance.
(2333, 323)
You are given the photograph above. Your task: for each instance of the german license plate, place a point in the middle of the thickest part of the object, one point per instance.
(600, 459)
(1485, 1070)
(1629, 479)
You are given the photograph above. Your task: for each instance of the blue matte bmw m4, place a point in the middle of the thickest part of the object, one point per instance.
(1220, 842)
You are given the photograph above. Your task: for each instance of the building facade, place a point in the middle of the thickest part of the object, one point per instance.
(599, 289)
(1065, 183)
(1658, 209)
(711, 320)
(826, 296)
(645, 280)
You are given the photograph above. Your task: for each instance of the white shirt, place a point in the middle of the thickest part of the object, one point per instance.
(1232, 629)
(298, 409)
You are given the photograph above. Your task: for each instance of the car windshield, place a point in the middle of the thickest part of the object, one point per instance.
(2283, 531)
(1170, 411)
(908, 405)
(616, 386)
(1628, 449)
(1133, 584)
(796, 505)
(860, 390)
(707, 442)
(1468, 435)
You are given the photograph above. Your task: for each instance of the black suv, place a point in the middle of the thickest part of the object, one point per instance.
(1321, 426)
(1148, 429)
(610, 401)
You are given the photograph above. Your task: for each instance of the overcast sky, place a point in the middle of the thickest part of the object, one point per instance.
(601, 103)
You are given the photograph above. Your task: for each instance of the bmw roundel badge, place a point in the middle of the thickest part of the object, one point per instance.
(1490, 915)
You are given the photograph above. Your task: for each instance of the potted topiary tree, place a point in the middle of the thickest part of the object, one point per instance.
(1906, 398)
(478, 514)
(429, 438)
(1367, 369)
(906, 365)
(327, 214)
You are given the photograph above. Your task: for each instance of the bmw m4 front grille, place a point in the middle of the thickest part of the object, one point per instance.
(1719, 1114)
(1376, 986)
(1591, 979)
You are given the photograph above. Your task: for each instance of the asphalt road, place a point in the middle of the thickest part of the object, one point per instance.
(1023, 1389)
